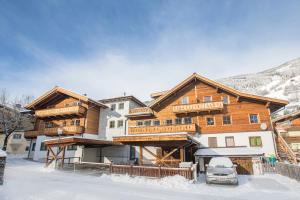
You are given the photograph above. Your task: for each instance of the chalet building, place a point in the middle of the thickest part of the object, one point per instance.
(288, 127)
(72, 127)
(198, 119)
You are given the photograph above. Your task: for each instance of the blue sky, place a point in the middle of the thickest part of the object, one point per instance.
(106, 48)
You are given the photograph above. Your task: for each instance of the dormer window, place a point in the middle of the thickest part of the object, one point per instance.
(207, 99)
(185, 100)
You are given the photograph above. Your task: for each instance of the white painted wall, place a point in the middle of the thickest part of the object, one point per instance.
(241, 139)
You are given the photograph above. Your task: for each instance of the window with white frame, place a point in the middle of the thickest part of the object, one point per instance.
(17, 136)
(253, 118)
(178, 120)
(112, 124)
(185, 100)
(120, 123)
(147, 123)
(207, 99)
(229, 140)
(139, 123)
(168, 121)
(121, 106)
(210, 121)
(226, 119)
(156, 122)
(225, 99)
(187, 120)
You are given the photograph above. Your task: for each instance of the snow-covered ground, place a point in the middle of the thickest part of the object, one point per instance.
(26, 180)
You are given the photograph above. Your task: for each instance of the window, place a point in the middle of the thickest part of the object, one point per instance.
(156, 122)
(226, 119)
(72, 147)
(178, 121)
(113, 107)
(121, 106)
(72, 122)
(212, 142)
(147, 123)
(187, 120)
(77, 122)
(185, 100)
(43, 147)
(225, 99)
(49, 125)
(168, 121)
(229, 141)
(255, 141)
(253, 118)
(17, 136)
(139, 123)
(112, 124)
(120, 123)
(33, 147)
(210, 121)
(207, 99)
(132, 153)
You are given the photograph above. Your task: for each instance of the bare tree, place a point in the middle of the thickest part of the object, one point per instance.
(12, 117)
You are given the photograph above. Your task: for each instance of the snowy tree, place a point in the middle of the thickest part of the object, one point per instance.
(11, 116)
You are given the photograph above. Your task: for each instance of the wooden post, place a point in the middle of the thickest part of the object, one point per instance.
(63, 157)
(110, 168)
(159, 171)
(181, 154)
(131, 170)
(141, 155)
(47, 157)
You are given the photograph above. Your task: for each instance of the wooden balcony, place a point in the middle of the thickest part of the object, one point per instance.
(56, 112)
(31, 134)
(66, 130)
(141, 111)
(198, 107)
(190, 128)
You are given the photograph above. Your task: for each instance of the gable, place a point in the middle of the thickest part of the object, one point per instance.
(274, 104)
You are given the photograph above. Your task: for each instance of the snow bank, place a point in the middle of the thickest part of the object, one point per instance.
(2, 153)
(173, 182)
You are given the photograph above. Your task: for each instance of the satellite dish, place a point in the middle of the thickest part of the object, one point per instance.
(263, 126)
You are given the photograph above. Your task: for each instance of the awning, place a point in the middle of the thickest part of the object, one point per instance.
(228, 151)
(88, 142)
(159, 140)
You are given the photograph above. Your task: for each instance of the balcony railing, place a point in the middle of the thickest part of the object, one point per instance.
(31, 134)
(66, 130)
(52, 112)
(198, 107)
(141, 111)
(191, 128)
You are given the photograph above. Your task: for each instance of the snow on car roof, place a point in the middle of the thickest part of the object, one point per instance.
(220, 161)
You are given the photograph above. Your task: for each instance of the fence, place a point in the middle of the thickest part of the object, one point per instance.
(149, 171)
(289, 170)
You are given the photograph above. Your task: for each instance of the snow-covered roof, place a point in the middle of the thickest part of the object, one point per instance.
(227, 151)
(2, 153)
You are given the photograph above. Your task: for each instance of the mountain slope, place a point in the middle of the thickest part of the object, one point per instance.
(281, 82)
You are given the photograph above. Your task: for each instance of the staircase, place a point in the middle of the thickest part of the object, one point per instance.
(284, 152)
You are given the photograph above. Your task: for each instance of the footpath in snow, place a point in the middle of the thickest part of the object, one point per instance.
(26, 180)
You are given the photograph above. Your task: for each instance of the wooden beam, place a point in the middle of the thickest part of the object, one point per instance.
(63, 156)
(141, 155)
(181, 154)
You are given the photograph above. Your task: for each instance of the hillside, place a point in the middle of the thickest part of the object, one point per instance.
(280, 82)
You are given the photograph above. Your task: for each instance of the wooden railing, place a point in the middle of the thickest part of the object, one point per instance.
(51, 112)
(163, 129)
(283, 148)
(198, 107)
(291, 171)
(149, 171)
(66, 130)
(140, 111)
(31, 134)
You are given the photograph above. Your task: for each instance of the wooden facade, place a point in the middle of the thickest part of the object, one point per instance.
(60, 110)
(197, 105)
(196, 91)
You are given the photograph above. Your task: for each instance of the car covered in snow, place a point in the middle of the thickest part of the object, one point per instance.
(221, 170)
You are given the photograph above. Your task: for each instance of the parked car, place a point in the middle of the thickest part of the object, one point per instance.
(221, 170)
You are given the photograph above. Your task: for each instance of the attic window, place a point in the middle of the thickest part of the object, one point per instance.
(185, 100)
(207, 99)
